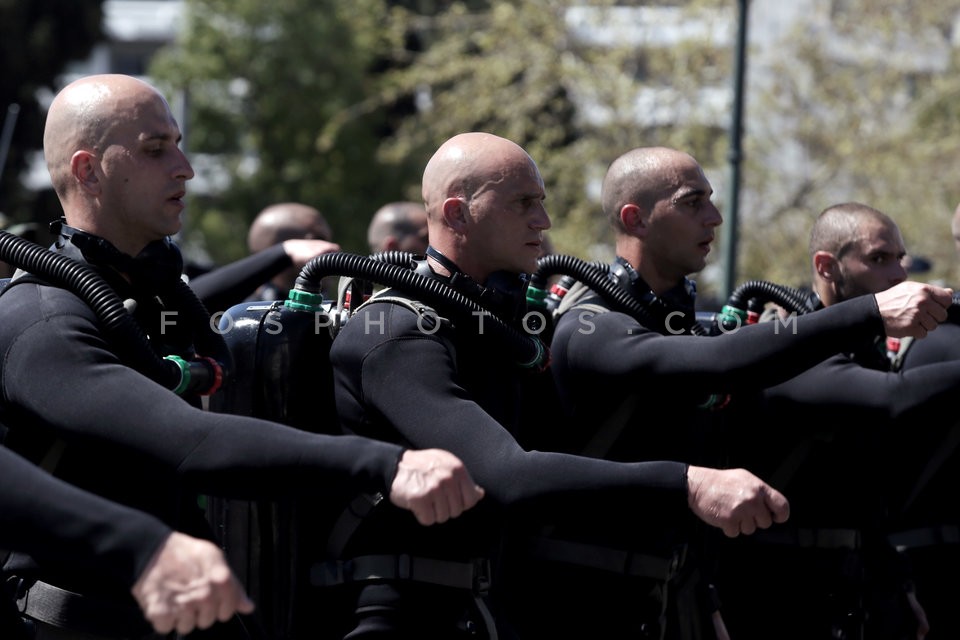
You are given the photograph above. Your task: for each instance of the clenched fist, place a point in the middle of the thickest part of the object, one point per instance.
(734, 500)
(434, 484)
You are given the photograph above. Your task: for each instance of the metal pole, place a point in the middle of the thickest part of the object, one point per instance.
(729, 228)
(9, 122)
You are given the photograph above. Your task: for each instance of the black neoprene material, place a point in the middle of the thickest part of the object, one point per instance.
(135, 442)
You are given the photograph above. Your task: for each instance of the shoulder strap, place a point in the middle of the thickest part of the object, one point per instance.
(574, 296)
(604, 437)
(794, 460)
(350, 520)
(432, 321)
(364, 504)
(416, 306)
(22, 278)
(944, 451)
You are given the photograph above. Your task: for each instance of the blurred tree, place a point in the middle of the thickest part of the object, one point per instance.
(297, 94)
(834, 116)
(281, 93)
(37, 40)
(340, 103)
(540, 73)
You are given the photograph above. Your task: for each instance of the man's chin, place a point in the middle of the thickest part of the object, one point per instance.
(173, 227)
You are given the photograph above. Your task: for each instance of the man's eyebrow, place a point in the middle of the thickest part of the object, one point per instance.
(163, 137)
(687, 193)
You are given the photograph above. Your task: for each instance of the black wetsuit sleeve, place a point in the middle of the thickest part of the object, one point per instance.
(841, 383)
(754, 356)
(233, 283)
(58, 371)
(59, 524)
(434, 410)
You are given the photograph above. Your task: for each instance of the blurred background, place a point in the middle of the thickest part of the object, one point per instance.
(789, 106)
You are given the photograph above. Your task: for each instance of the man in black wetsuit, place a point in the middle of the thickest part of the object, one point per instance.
(849, 447)
(180, 582)
(282, 239)
(925, 514)
(615, 371)
(461, 390)
(286, 236)
(85, 401)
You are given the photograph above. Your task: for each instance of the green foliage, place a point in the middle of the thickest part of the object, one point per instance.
(856, 124)
(516, 71)
(340, 103)
(280, 91)
(339, 107)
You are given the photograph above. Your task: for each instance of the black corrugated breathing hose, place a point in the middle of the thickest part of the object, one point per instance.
(118, 325)
(393, 269)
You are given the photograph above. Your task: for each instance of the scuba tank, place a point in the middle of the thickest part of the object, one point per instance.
(280, 350)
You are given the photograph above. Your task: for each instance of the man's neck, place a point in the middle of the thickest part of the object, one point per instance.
(825, 293)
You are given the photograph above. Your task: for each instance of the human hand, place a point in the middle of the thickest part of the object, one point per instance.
(433, 484)
(913, 308)
(301, 251)
(734, 500)
(188, 586)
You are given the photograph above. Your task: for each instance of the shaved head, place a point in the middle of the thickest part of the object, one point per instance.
(641, 176)
(84, 115)
(395, 222)
(841, 226)
(287, 221)
(484, 199)
(855, 250)
(467, 164)
(111, 144)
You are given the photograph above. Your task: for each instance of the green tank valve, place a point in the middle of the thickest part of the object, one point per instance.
(303, 300)
(536, 296)
(731, 318)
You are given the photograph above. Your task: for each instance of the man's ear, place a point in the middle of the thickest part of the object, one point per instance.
(455, 213)
(825, 265)
(83, 168)
(633, 219)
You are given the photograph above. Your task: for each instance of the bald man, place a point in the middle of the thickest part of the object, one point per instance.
(928, 515)
(613, 370)
(398, 226)
(484, 198)
(282, 239)
(81, 399)
(303, 233)
(852, 458)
